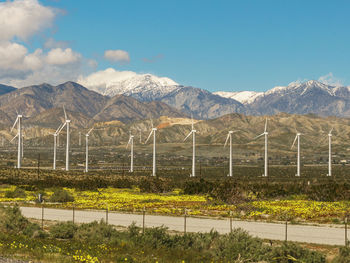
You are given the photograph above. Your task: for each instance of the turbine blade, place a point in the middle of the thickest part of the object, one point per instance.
(128, 143)
(258, 136)
(65, 114)
(14, 137)
(58, 128)
(149, 136)
(90, 130)
(330, 132)
(265, 126)
(296, 137)
(188, 136)
(151, 122)
(14, 124)
(192, 121)
(228, 136)
(64, 124)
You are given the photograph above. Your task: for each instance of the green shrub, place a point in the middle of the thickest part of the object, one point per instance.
(61, 196)
(17, 193)
(290, 253)
(65, 230)
(13, 222)
(343, 257)
(96, 232)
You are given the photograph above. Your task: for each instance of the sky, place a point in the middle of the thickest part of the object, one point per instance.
(215, 45)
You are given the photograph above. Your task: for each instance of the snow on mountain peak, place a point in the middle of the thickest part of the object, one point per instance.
(111, 82)
(244, 97)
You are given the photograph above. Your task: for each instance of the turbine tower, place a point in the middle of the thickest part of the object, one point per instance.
(265, 133)
(55, 137)
(87, 150)
(297, 139)
(18, 121)
(68, 139)
(153, 131)
(131, 142)
(330, 153)
(229, 136)
(193, 133)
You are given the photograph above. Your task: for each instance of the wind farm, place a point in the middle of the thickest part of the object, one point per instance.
(162, 131)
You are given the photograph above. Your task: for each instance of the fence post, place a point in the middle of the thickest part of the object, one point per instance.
(230, 221)
(185, 217)
(143, 220)
(42, 216)
(346, 230)
(73, 214)
(286, 233)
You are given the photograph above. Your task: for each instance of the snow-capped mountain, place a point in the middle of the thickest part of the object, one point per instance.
(244, 97)
(145, 87)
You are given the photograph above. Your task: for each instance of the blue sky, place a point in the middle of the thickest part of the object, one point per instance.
(215, 45)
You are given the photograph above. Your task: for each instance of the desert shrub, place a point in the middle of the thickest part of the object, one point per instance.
(61, 196)
(290, 252)
(13, 222)
(17, 193)
(154, 185)
(156, 237)
(198, 187)
(96, 232)
(343, 257)
(64, 230)
(239, 244)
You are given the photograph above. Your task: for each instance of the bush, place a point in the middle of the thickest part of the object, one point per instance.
(65, 230)
(13, 222)
(154, 185)
(343, 257)
(96, 232)
(290, 252)
(17, 193)
(61, 196)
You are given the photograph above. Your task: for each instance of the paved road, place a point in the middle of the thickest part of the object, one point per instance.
(274, 231)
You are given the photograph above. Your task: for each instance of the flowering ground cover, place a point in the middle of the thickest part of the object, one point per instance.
(174, 203)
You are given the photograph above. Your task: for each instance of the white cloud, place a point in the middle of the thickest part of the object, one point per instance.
(52, 43)
(117, 56)
(330, 79)
(103, 78)
(59, 56)
(23, 18)
(15, 60)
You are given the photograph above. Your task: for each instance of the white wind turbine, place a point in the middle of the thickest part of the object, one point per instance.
(265, 133)
(330, 153)
(297, 139)
(67, 123)
(153, 131)
(87, 150)
(193, 132)
(131, 143)
(18, 121)
(229, 136)
(55, 137)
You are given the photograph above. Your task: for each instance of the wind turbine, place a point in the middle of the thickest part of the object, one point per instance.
(265, 133)
(18, 121)
(297, 138)
(131, 142)
(229, 136)
(87, 150)
(330, 153)
(193, 132)
(153, 131)
(55, 137)
(67, 123)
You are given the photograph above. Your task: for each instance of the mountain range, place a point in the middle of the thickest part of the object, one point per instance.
(144, 96)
